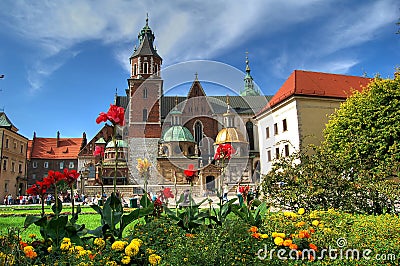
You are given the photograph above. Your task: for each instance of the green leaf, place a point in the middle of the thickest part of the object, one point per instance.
(56, 228)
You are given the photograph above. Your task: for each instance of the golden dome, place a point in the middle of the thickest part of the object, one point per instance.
(230, 135)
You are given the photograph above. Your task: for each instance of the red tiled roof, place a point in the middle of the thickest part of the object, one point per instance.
(318, 84)
(46, 148)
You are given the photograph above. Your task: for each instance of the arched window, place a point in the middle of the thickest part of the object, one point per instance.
(250, 134)
(145, 93)
(144, 115)
(198, 132)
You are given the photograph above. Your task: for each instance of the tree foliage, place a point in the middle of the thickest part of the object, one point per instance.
(365, 131)
(356, 169)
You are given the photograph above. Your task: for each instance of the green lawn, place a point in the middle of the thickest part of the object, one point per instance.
(14, 216)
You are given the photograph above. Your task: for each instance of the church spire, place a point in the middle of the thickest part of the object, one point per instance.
(249, 89)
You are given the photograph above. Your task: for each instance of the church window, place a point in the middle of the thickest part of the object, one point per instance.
(145, 67)
(135, 69)
(145, 93)
(250, 134)
(144, 115)
(198, 132)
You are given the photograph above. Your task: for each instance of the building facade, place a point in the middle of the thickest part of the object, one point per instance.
(55, 154)
(296, 115)
(13, 149)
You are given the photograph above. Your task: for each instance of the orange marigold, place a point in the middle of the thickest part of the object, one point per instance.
(253, 229)
(256, 235)
(304, 234)
(287, 242)
(293, 246)
(313, 247)
(189, 235)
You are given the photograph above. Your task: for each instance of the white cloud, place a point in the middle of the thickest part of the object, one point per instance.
(187, 30)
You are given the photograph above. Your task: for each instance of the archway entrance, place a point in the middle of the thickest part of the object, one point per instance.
(210, 183)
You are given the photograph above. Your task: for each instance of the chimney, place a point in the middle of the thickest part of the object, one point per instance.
(58, 138)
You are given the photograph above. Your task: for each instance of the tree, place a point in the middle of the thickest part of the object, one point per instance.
(364, 133)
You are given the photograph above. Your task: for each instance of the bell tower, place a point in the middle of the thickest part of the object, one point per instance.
(145, 87)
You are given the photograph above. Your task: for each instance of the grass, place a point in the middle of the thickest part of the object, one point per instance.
(14, 216)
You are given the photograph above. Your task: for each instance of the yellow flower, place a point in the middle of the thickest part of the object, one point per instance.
(263, 236)
(281, 235)
(66, 239)
(118, 245)
(278, 241)
(32, 236)
(149, 250)
(99, 242)
(111, 263)
(185, 259)
(154, 259)
(143, 165)
(126, 260)
(137, 242)
(65, 246)
(301, 211)
(315, 223)
(50, 249)
(132, 249)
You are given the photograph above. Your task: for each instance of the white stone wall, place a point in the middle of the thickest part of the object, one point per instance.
(286, 110)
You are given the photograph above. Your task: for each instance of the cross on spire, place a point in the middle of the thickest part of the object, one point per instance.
(196, 76)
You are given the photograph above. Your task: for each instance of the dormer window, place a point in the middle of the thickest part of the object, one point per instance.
(145, 93)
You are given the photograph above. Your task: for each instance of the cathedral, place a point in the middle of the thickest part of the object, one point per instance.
(177, 132)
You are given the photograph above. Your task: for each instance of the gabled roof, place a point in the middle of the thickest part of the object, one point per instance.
(196, 90)
(6, 123)
(47, 148)
(317, 84)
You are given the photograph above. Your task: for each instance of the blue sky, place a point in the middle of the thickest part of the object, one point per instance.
(63, 60)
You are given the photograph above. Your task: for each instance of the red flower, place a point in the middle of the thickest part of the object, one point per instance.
(168, 193)
(53, 178)
(313, 247)
(98, 151)
(224, 151)
(190, 173)
(116, 115)
(38, 189)
(70, 177)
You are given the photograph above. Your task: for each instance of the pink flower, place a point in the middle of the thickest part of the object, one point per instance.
(116, 115)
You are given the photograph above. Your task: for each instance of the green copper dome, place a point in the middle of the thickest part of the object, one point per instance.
(120, 144)
(177, 133)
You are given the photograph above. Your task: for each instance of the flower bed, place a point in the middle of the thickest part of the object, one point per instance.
(283, 238)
